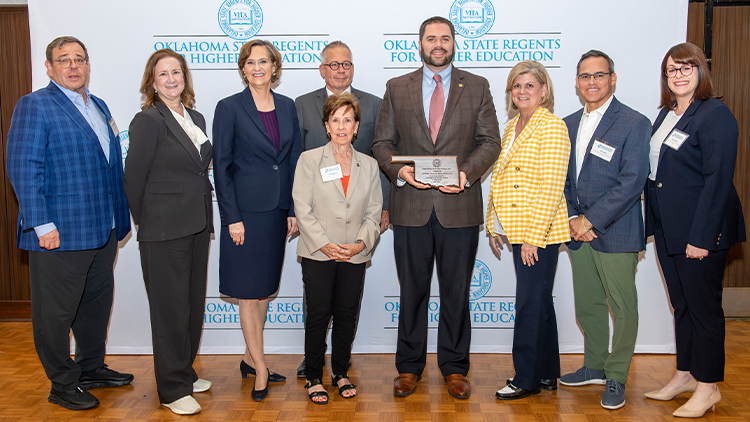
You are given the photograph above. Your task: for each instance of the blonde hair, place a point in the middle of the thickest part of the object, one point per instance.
(540, 73)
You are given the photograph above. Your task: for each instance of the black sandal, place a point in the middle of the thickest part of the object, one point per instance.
(315, 394)
(343, 388)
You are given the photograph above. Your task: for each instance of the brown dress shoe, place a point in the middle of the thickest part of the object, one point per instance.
(458, 386)
(405, 384)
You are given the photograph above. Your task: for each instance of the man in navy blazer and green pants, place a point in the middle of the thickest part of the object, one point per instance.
(607, 170)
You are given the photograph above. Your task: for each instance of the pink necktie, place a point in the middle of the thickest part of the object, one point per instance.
(436, 108)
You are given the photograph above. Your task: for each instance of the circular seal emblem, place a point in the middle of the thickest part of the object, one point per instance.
(240, 19)
(481, 280)
(472, 18)
(436, 162)
(124, 145)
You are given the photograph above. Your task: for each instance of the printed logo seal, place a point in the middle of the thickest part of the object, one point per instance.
(472, 18)
(481, 280)
(240, 19)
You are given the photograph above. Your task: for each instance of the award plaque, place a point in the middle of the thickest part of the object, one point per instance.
(433, 170)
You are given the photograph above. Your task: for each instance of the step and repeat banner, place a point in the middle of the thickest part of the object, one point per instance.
(492, 36)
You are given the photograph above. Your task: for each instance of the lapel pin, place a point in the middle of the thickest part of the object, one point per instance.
(357, 164)
(460, 85)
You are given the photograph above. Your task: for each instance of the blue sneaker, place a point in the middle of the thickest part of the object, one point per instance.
(584, 376)
(614, 395)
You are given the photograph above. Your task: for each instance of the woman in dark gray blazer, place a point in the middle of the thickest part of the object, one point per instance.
(169, 194)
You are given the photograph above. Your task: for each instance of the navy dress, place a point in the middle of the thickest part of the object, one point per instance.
(254, 161)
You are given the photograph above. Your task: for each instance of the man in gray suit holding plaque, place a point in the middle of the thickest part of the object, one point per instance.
(337, 69)
(609, 163)
(437, 110)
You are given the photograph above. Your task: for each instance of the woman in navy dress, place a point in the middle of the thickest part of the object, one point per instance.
(256, 146)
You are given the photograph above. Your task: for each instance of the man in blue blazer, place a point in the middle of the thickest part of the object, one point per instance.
(64, 162)
(607, 170)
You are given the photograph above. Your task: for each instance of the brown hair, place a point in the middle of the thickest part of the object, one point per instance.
(686, 53)
(436, 19)
(540, 73)
(335, 102)
(273, 54)
(149, 95)
(61, 41)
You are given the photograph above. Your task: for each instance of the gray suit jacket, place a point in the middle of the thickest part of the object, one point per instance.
(609, 193)
(469, 131)
(325, 215)
(310, 116)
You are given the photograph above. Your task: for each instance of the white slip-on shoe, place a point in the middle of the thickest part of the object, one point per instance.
(184, 406)
(201, 385)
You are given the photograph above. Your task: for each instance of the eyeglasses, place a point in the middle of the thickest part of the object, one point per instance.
(66, 62)
(585, 77)
(686, 70)
(335, 65)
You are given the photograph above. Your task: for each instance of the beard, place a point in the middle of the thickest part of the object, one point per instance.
(447, 59)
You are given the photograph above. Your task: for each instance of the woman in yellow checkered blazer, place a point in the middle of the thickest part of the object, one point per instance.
(527, 206)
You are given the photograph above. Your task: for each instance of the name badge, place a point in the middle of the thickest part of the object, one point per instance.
(676, 139)
(602, 150)
(331, 173)
(113, 125)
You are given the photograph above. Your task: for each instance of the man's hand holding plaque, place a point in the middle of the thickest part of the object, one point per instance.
(432, 171)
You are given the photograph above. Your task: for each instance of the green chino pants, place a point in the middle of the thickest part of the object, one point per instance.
(604, 281)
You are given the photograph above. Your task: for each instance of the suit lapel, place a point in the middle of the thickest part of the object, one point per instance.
(354, 173)
(454, 94)
(525, 134)
(606, 122)
(178, 132)
(322, 96)
(415, 95)
(329, 160)
(71, 110)
(249, 105)
(681, 125)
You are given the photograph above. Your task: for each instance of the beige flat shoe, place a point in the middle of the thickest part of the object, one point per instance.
(682, 412)
(201, 385)
(658, 395)
(184, 406)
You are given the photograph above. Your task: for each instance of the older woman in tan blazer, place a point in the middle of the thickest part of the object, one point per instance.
(337, 201)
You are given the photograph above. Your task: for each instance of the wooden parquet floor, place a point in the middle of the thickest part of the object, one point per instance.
(24, 389)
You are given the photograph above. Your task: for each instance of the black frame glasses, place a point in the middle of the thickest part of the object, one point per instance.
(66, 62)
(685, 70)
(585, 77)
(335, 65)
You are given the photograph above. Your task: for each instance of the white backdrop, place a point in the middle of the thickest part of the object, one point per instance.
(382, 35)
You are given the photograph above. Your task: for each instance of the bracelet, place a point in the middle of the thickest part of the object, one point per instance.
(583, 223)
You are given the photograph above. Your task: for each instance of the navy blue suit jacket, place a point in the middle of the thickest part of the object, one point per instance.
(697, 200)
(61, 175)
(609, 193)
(248, 175)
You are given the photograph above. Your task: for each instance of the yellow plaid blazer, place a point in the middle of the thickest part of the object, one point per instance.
(526, 190)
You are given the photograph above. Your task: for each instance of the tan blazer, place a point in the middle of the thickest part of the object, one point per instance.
(526, 190)
(325, 215)
(469, 130)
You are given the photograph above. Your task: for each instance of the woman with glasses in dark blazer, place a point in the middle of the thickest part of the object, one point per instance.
(695, 215)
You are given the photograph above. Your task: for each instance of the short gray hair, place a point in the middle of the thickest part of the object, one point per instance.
(596, 53)
(332, 45)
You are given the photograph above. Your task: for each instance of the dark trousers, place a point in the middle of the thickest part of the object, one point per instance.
(333, 289)
(71, 290)
(536, 354)
(175, 274)
(695, 291)
(417, 249)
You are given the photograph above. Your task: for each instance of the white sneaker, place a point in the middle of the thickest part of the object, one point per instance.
(184, 406)
(201, 385)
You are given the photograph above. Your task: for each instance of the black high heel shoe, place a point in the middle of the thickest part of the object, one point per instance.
(246, 370)
(259, 395)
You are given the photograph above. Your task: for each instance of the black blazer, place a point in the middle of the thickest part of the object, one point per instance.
(166, 179)
(249, 176)
(697, 199)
